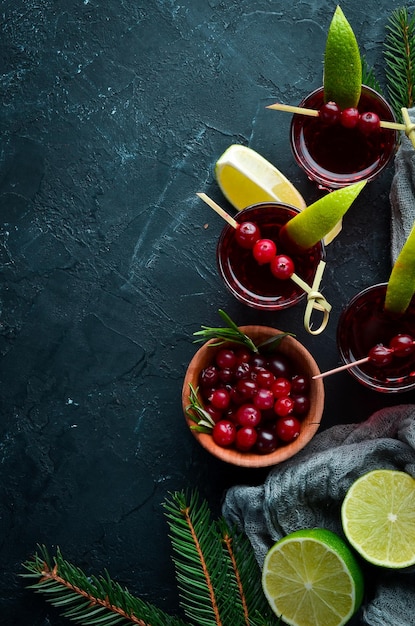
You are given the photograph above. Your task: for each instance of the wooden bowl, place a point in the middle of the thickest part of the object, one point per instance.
(303, 363)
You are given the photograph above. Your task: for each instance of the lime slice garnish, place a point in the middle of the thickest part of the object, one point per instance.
(246, 178)
(378, 516)
(319, 218)
(401, 284)
(342, 79)
(311, 577)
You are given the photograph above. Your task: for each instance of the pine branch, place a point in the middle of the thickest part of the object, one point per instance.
(368, 76)
(400, 60)
(90, 600)
(211, 594)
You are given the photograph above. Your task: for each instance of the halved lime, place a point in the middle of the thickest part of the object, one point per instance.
(378, 516)
(311, 577)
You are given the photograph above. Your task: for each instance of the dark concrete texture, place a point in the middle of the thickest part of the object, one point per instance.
(113, 116)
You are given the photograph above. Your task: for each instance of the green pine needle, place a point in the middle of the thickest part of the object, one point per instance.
(400, 60)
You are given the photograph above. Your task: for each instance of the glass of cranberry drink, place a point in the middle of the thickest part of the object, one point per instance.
(337, 149)
(366, 329)
(253, 283)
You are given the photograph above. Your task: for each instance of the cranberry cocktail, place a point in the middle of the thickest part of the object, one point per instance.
(338, 152)
(253, 283)
(365, 328)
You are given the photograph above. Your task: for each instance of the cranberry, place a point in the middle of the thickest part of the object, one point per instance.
(330, 113)
(402, 345)
(242, 355)
(380, 355)
(258, 361)
(215, 414)
(301, 404)
(246, 234)
(264, 399)
(220, 399)
(224, 433)
(264, 251)
(279, 365)
(246, 388)
(243, 370)
(265, 378)
(368, 123)
(245, 438)
(284, 406)
(282, 266)
(299, 384)
(349, 118)
(266, 441)
(288, 428)
(281, 387)
(225, 358)
(209, 376)
(248, 415)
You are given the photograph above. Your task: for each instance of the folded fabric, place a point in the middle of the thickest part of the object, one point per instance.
(402, 193)
(307, 491)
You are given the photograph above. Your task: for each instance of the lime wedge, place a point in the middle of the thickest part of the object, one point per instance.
(342, 79)
(401, 284)
(319, 218)
(378, 516)
(311, 577)
(246, 178)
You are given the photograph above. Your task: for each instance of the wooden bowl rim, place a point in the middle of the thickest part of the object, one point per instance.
(312, 419)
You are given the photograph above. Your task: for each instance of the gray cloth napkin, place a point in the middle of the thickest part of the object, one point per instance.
(402, 193)
(307, 491)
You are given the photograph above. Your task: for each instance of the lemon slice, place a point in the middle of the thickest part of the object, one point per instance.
(378, 516)
(246, 178)
(401, 284)
(342, 80)
(311, 577)
(319, 218)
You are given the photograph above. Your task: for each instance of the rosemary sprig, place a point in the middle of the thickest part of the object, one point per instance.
(399, 55)
(196, 412)
(222, 335)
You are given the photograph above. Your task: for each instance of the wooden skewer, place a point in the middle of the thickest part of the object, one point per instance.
(314, 113)
(218, 209)
(341, 368)
(409, 126)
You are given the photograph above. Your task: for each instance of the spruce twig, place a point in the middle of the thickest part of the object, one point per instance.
(217, 574)
(400, 60)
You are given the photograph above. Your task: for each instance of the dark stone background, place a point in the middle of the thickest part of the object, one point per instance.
(113, 116)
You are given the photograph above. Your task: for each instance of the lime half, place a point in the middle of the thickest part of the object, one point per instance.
(311, 577)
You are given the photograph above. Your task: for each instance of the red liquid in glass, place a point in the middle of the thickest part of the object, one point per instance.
(335, 156)
(364, 324)
(252, 283)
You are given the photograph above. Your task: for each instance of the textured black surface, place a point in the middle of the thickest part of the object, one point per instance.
(113, 115)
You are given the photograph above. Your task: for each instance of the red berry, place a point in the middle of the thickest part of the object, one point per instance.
(380, 355)
(284, 406)
(215, 414)
(299, 384)
(264, 399)
(301, 404)
(225, 358)
(242, 355)
(224, 433)
(248, 415)
(349, 118)
(402, 345)
(368, 123)
(282, 266)
(220, 399)
(266, 441)
(245, 438)
(264, 251)
(330, 113)
(281, 387)
(246, 234)
(264, 378)
(209, 376)
(246, 388)
(288, 428)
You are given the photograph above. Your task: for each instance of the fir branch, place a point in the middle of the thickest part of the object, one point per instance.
(208, 589)
(368, 76)
(400, 60)
(88, 600)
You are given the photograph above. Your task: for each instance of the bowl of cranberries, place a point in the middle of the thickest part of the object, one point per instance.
(253, 407)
